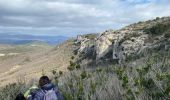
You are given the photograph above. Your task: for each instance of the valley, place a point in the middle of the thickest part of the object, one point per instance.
(29, 60)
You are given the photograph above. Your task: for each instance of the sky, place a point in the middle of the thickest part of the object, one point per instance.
(72, 17)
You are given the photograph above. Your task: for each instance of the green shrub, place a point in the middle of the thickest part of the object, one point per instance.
(10, 91)
(167, 35)
(70, 68)
(72, 57)
(157, 29)
(78, 66)
(75, 52)
(157, 18)
(80, 91)
(93, 86)
(72, 63)
(98, 70)
(83, 75)
(60, 73)
(54, 72)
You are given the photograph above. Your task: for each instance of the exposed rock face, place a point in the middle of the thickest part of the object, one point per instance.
(128, 41)
(104, 43)
(79, 39)
(119, 43)
(86, 45)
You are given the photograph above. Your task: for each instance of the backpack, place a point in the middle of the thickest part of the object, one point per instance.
(50, 95)
(31, 93)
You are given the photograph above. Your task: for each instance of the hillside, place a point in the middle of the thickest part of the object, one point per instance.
(131, 63)
(128, 41)
(37, 58)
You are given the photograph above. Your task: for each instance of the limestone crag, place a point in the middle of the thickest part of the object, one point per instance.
(130, 40)
(86, 45)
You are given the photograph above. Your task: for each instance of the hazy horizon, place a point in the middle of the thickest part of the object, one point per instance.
(28, 38)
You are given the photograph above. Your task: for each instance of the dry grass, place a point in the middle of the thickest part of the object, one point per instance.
(33, 61)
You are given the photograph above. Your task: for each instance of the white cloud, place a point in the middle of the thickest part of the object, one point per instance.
(75, 16)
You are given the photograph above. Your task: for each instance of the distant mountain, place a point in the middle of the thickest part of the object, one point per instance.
(23, 39)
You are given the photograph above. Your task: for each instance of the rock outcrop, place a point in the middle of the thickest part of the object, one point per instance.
(130, 40)
(86, 44)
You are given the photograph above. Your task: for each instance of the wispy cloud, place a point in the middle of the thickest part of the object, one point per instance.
(71, 17)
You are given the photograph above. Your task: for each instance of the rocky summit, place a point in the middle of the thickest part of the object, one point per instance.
(128, 41)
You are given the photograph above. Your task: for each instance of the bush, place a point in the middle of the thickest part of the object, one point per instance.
(54, 72)
(157, 29)
(72, 66)
(157, 18)
(83, 75)
(10, 91)
(60, 73)
(148, 78)
(78, 66)
(72, 57)
(167, 35)
(72, 63)
(75, 52)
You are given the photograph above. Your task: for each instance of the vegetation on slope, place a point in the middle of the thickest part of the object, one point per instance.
(145, 76)
(150, 80)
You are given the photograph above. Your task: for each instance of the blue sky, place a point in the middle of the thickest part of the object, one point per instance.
(72, 17)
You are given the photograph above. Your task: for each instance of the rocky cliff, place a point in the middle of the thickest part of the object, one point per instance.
(128, 41)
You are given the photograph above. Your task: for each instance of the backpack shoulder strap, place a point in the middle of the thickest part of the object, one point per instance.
(43, 91)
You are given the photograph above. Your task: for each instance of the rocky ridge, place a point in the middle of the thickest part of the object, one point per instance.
(128, 41)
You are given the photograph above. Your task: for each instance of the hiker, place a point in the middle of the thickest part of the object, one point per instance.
(46, 91)
(20, 97)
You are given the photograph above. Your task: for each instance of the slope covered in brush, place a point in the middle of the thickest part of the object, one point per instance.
(127, 64)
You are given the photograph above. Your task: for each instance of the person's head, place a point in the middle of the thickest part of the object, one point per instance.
(20, 97)
(43, 81)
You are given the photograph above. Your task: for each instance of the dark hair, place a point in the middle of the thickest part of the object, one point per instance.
(44, 80)
(20, 97)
